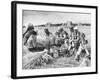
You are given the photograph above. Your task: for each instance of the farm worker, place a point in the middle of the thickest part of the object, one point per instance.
(71, 33)
(65, 35)
(61, 37)
(65, 47)
(30, 36)
(57, 38)
(54, 51)
(30, 27)
(47, 38)
(32, 40)
(52, 39)
(82, 47)
(77, 38)
(61, 31)
(84, 43)
(71, 28)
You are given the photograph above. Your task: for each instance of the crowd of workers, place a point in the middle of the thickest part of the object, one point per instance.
(60, 43)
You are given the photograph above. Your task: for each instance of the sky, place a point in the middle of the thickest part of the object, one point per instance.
(42, 17)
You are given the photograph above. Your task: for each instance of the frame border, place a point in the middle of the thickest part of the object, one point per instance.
(14, 38)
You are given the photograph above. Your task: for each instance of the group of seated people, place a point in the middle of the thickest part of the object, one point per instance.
(60, 43)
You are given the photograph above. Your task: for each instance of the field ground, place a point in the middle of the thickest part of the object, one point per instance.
(29, 57)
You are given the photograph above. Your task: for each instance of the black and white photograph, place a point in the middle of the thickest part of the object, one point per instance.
(53, 39)
(56, 39)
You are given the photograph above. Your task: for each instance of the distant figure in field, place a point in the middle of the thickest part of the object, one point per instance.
(47, 34)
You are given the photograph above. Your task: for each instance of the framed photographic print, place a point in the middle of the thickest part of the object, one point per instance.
(50, 39)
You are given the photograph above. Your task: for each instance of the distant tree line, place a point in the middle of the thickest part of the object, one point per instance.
(61, 24)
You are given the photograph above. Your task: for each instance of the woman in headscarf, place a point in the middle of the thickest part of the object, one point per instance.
(30, 27)
(30, 37)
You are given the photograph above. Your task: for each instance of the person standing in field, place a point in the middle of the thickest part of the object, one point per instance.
(47, 34)
(57, 38)
(82, 48)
